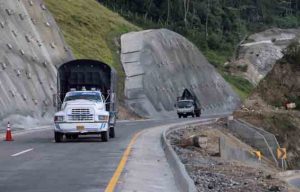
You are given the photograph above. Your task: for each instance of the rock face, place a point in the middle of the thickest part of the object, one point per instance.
(31, 47)
(259, 56)
(159, 65)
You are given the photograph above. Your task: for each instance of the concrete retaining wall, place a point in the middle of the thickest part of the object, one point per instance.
(230, 153)
(31, 47)
(160, 64)
(255, 137)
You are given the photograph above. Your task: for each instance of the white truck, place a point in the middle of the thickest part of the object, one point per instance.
(188, 105)
(88, 91)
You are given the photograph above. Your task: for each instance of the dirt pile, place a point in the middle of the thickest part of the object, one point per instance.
(212, 173)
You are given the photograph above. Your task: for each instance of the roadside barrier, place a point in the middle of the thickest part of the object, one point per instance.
(255, 137)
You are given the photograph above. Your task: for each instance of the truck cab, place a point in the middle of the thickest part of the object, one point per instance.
(82, 112)
(186, 105)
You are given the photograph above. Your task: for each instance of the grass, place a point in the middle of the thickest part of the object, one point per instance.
(240, 85)
(215, 58)
(91, 30)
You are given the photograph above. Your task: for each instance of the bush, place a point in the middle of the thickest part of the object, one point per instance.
(292, 53)
(243, 68)
(242, 86)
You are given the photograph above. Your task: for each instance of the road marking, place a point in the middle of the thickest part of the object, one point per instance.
(22, 152)
(113, 181)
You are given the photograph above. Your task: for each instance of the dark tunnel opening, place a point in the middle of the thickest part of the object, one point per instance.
(84, 73)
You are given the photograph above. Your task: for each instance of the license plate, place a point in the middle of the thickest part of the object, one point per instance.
(80, 128)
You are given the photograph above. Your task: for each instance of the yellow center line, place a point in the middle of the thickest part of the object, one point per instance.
(113, 181)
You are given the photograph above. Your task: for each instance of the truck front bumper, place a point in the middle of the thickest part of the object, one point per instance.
(81, 128)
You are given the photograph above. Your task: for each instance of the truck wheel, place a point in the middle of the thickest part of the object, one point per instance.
(69, 136)
(104, 136)
(193, 115)
(198, 113)
(179, 116)
(184, 116)
(75, 136)
(112, 132)
(58, 137)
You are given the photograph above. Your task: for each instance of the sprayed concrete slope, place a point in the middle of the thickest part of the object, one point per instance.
(263, 50)
(159, 64)
(31, 47)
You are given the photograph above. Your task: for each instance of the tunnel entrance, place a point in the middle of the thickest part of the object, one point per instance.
(85, 73)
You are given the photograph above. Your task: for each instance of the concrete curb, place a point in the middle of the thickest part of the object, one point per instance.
(182, 178)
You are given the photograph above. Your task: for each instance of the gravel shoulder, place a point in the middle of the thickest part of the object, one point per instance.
(212, 173)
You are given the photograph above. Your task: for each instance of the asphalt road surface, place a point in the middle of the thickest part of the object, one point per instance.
(34, 163)
(295, 182)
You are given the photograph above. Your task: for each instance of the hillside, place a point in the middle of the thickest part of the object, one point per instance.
(91, 30)
(214, 26)
(256, 56)
(31, 49)
(265, 107)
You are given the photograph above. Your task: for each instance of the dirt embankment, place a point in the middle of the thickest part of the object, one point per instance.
(265, 108)
(282, 84)
(212, 173)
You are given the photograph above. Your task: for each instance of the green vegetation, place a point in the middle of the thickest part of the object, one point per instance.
(242, 86)
(91, 30)
(292, 53)
(213, 25)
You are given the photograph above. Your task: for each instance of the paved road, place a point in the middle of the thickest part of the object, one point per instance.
(295, 182)
(34, 163)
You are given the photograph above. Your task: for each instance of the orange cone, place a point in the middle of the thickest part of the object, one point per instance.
(8, 133)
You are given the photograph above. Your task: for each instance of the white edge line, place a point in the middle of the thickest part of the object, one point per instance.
(22, 152)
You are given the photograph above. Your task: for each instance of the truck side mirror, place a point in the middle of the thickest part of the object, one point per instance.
(54, 100)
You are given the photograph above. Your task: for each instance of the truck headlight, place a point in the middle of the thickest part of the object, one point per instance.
(58, 118)
(102, 117)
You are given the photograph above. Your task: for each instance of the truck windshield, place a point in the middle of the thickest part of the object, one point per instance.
(92, 96)
(185, 104)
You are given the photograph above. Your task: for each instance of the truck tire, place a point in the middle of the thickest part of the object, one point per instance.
(198, 112)
(58, 137)
(112, 132)
(68, 136)
(105, 136)
(184, 116)
(74, 136)
(179, 116)
(193, 115)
